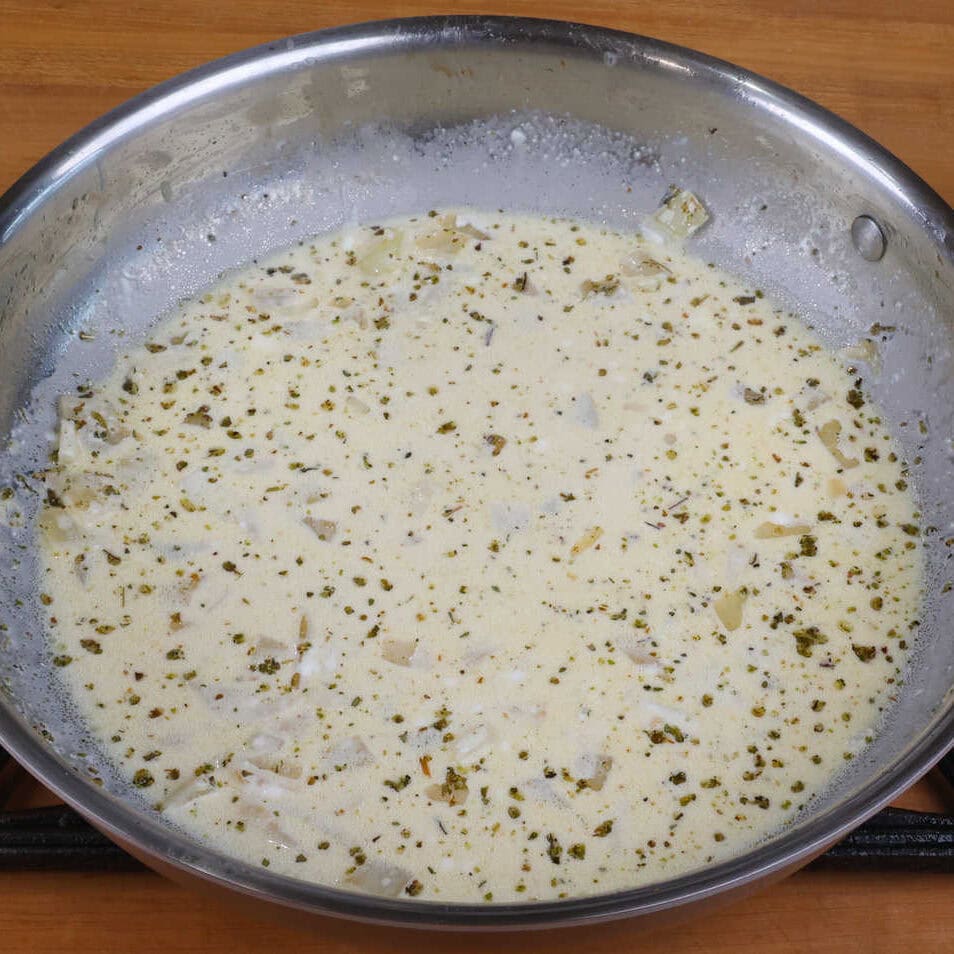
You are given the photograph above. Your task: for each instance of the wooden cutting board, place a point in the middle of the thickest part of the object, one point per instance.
(886, 66)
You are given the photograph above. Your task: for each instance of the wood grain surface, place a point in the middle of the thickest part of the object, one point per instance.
(888, 67)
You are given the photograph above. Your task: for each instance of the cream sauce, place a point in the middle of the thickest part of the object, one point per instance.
(480, 557)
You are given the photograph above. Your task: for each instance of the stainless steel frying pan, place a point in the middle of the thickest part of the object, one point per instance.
(255, 151)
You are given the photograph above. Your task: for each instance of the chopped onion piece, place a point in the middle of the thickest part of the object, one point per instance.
(323, 529)
(268, 764)
(350, 752)
(509, 516)
(600, 767)
(481, 737)
(639, 654)
(769, 530)
(682, 214)
(586, 541)
(189, 791)
(586, 413)
(377, 255)
(642, 266)
(601, 286)
(829, 433)
(266, 783)
(398, 651)
(812, 398)
(276, 297)
(540, 790)
(836, 487)
(728, 608)
(450, 237)
(380, 878)
(865, 350)
(356, 406)
(647, 272)
(472, 231)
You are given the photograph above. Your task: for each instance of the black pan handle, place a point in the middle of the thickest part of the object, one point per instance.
(58, 839)
(946, 767)
(896, 840)
(9, 771)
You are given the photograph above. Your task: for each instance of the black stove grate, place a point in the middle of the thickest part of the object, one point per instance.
(57, 838)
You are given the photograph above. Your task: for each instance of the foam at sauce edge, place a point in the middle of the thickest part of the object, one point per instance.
(508, 587)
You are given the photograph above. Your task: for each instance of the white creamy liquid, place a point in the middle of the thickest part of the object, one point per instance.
(479, 557)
